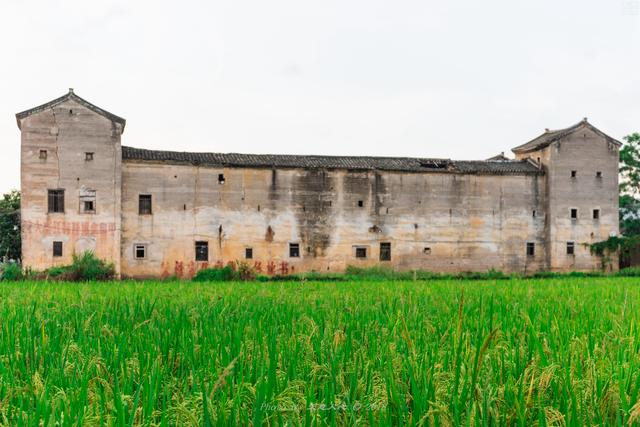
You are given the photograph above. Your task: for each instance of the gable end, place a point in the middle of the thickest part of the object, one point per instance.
(69, 96)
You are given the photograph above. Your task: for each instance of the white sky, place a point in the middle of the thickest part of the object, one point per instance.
(457, 79)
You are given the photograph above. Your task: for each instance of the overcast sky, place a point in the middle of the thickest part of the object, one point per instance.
(456, 79)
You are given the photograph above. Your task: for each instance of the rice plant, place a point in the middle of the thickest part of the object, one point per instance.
(442, 352)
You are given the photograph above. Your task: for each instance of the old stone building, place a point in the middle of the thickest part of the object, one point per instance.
(160, 213)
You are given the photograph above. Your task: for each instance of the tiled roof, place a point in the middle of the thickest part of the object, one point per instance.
(498, 158)
(400, 164)
(71, 95)
(551, 136)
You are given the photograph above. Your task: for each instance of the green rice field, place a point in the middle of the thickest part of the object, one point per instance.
(506, 352)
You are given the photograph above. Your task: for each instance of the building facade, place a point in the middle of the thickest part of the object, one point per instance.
(160, 213)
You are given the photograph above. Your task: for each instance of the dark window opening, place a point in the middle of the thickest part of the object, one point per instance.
(533, 213)
(144, 204)
(385, 251)
(598, 174)
(88, 156)
(202, 251)
(596, 214)
(571, 248)
(221, 179)
(361, 252)
(56, 201)
(89, 206)
(57, 249)
(43, 154)
(531, 249)
(294, 250)
(360, 203)
(574, 213)
(426, 251)
(574, 174)
(139, 251)
(248, 253)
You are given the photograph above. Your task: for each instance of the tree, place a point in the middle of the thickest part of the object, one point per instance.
(630, 186)
(10, 226)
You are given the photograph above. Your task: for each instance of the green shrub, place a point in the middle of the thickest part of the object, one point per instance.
(545, 275)
(244, 271)
(59, 273)
(235, 270)
(215, 274)
(87, 267)
(383, 273)
(11, 272)
(484, 275)
(376, 273)
(629, 272)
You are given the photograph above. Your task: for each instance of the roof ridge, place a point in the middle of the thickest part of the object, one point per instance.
(72, 96)
(550, 136)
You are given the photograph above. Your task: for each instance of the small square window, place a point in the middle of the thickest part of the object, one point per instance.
(596, 214)
(88, 156)
(426, 251)
(221, 179)
(385, 251)
(144, 204)
(571, 248)
(140, 251)
(361, 252)
(202, 251)
(43, 154)
(574, 174)
(248, 253)
(531, 249)
(294, 250)
(57, 249)
(598, 174)
(360, 203)
(89, 206)
(574, 213)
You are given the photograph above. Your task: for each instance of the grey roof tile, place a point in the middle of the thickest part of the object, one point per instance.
(400, 164)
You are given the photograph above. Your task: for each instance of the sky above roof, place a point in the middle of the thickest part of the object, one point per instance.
(462, 79)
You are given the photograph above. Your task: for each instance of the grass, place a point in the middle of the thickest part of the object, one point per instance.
(502, 352)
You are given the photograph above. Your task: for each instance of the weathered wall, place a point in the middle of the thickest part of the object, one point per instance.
(469, 222)
(585, 152)
(67, 131)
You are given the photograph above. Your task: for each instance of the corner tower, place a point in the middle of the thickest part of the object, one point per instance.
(581, 169)
(70, 181)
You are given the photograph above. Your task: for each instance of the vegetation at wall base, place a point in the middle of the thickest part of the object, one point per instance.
(378, 274)
(446, 352)
(10, 272)
(85, 267)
